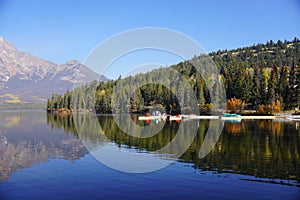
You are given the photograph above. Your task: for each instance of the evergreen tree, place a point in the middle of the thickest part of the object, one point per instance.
(263, 81)
(199, 92)
(272, 83)
(256, 86)
(283, 85)
(294, 84)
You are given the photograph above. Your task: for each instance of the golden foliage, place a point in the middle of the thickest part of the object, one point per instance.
(235, 105)
(13, 101)
(12, 98)
(261, 109)
(269, 109)
(102, 92)
(276, 106)
(264, 109)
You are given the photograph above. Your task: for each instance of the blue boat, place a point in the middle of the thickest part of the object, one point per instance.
(231, 115)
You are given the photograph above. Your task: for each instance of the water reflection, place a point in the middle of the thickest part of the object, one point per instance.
(25, 139)
(262, 148)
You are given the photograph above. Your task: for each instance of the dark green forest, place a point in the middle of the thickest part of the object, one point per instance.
(262, 77)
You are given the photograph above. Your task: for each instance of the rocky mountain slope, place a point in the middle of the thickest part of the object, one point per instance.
(25, 78)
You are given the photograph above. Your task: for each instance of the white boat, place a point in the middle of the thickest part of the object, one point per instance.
(231, 119)
(163, 117)
(151, 117)
(294, 118)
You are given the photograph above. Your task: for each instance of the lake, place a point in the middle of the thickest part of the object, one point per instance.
(45, 157)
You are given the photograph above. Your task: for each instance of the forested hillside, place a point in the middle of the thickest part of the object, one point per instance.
(262, 77)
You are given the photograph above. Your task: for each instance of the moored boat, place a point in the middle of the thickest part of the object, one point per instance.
(231, 115)
(294, 118)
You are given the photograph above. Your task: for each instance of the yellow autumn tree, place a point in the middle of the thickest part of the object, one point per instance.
(276, 107)
(261, 110)
(269, 109)
(235, 105)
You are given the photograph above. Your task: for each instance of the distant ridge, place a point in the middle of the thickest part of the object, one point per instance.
(27, 79)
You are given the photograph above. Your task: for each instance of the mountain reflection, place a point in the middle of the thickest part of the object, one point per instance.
(25, 139)
(261, 148)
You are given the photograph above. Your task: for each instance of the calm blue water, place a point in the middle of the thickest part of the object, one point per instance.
(44, 162)
(88, 179)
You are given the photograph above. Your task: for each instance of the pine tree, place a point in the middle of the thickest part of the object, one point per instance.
(272, 83)
(256, 86)
(294, 84)
(242, 85)
(283, 85)
(199, 92)
(263, 80)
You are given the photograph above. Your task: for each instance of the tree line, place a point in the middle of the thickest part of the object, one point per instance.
(262, 77)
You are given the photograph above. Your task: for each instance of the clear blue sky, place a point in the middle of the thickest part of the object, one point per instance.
(60, 30)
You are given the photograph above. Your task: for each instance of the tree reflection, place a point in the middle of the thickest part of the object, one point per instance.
(261, 148)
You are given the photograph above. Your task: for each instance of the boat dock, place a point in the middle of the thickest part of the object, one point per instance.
(184, 117)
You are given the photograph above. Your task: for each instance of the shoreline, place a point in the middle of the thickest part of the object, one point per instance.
(282, 115)
(186, 117)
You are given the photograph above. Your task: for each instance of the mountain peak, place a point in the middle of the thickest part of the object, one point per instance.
(72, 62)
(5, 45)
(32, 79)
(1, 39)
